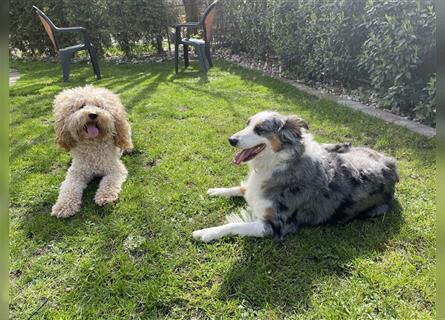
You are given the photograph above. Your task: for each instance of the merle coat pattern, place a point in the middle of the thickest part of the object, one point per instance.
(295, 181)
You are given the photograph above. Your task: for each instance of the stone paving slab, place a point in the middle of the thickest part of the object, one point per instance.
(358, 106)
(14, 75)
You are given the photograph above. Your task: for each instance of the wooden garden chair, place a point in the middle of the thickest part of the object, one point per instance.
(66, 54)
(202, 46)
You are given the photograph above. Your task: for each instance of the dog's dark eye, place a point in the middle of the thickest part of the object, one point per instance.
(259, 130)
(82, 106)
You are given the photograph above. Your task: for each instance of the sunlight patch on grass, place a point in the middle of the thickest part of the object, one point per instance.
(136, 259)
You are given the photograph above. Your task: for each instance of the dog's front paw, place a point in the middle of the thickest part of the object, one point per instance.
(128, 150)
(206, 235)
(64, 210)
(217, 192)
(102, 199)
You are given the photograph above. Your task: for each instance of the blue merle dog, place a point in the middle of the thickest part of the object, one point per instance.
(295, 181)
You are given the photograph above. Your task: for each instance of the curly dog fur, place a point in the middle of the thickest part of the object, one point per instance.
(91, 123)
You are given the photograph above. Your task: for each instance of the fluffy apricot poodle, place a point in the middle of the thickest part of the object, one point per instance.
(91, 123)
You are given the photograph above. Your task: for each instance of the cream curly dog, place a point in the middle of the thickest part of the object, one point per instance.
(92, 124)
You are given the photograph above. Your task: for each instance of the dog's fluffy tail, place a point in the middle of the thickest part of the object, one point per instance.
(243, 216)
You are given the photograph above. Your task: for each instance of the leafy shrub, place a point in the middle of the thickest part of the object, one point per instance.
(399, 54)
(126, 22)
(26, 31)
(134, 20)
(386, 44)
(92, 15)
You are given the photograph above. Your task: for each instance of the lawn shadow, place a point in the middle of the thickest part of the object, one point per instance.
(146, 91)
(23, 144)
(51, 72)
(186, 74)
(43, 228)
(286, 274)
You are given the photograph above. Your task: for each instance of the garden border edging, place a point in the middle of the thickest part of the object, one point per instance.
(358, 106)
(386, 116)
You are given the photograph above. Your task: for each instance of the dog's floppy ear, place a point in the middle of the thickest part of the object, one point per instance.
(61, 107)
(63, 136)
(122, 138)
(291, 129)
(122, 131)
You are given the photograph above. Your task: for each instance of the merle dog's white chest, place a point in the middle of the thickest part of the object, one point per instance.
(254, 193)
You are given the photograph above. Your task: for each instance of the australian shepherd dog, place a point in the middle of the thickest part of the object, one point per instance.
(294, 181)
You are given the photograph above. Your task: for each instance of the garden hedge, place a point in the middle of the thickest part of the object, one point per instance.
(125, 22)
(387, 45)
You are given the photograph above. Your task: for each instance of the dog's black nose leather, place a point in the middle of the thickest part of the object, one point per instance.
(233, 141)
(92, 116)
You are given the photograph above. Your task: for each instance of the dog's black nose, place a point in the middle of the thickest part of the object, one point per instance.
(92, 116)
(233, 141)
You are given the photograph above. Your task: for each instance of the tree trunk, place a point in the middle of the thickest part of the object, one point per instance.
(158, 41)
(124, 43)
(191, 10)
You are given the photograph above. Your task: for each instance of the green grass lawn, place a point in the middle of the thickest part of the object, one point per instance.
(136, 259)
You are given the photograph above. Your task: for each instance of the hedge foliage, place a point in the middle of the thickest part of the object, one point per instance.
(388, 45)
(124, 22)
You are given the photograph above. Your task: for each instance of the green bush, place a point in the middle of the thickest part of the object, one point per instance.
(388, 45)
(134, 20)
(126, 22)
(26, 30)
(90, 14)
(399, 54)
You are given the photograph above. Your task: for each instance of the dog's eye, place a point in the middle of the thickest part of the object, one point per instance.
(259, 130)
(82, 106)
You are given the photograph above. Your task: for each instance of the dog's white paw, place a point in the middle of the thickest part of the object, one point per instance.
(217, 192)
(63, 210)
(206, 235)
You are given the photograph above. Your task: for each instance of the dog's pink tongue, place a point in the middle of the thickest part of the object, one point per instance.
(92, 130)
(240, 156)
